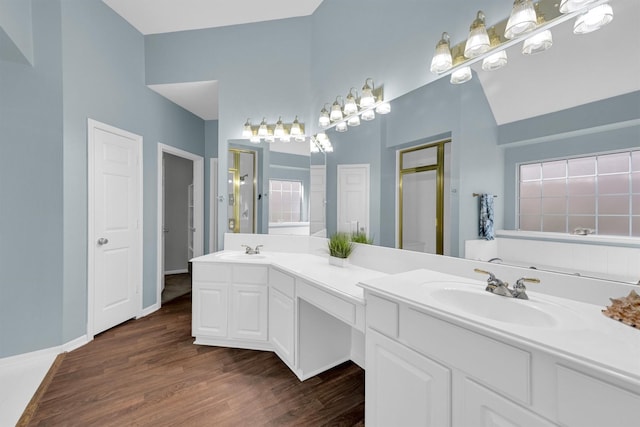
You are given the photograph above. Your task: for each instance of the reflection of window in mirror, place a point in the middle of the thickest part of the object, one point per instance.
(285, 198)
(595, 194)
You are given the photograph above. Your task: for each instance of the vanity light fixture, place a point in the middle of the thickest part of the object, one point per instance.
(538, 42)
(353, 109)
(320, 143)
(442, 60)
(496, 60)
(478, 40)
(593, 19)
(525, 23)
(522, 19)
(270, 133)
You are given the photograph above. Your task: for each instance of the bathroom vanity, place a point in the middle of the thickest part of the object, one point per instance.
(437, 349)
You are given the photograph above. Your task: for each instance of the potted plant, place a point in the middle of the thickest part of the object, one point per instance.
(340, 247)
(361, 237)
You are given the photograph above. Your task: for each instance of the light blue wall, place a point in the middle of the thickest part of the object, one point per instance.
(89, 63)
(16, 31)
(31, 192)
(607, 125)
(262, 68)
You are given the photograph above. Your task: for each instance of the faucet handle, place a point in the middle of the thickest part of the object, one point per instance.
(247, 248)
(492, 276)
(520, 290)
(520, 281)
(258, 248)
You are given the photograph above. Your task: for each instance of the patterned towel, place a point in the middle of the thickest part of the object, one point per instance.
(486, 216)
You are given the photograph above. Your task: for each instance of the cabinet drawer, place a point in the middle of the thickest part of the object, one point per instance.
(499, 365)
(211, 272)
(250, 274)
(282, 282)
(333, 305)
(585, 401)
(382, 315)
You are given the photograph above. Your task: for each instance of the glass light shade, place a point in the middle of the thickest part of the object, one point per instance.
(593, 19)
(368, 115)
(262, 130)
(270, 138)
(313, 147)
(354, 121)
(324, 120)
(342, 127)
(495, 61)
(321, 136)
(296, 129)
(522, 19)
(383, 108)
(568, 6)
(367, 99)
(255, 139)
(336, 111)
(278, 132)
(285, 138)
(478, 40)
(537, 43)
(461, 75)
(350, 106)
(328, 148)
(247, 132)
(299, 138)
(442, 60)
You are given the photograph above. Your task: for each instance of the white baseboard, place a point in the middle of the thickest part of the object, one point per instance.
(148, 310)
(52, 352)
(76, 343)
(181, 271)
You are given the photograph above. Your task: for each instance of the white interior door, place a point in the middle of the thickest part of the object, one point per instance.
(317, 201)
(114, 226)
(353, 198)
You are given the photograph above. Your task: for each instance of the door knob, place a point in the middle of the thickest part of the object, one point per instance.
(102, 241)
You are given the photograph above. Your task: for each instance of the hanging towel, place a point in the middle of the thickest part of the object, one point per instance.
(486, 216)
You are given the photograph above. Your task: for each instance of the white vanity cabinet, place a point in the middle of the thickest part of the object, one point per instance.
(282, 315)
(230, 305)
(424, 369)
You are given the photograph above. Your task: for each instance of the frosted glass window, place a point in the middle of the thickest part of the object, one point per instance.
(581, 186)
(554, 206)
(635, 226)
(613, 184)
(614, 225)
(285, 201)
(530, 172)
(530, 222)
(582, 206)
(600, 192)
(584, 166)
(613, 163)
(554, 188)
(531, 189)
(554, 223)
(576, 221)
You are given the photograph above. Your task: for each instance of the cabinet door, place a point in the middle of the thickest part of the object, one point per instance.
(479, 406)
(281, 318)
(210, 309)
(248, 316)
(404, 388)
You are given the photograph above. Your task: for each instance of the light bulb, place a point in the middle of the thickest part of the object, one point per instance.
(367, 99)
(478, 40)
(441, 60)
(522, 19)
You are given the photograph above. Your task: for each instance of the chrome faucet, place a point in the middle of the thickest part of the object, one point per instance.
(499, 287)
(250, 251)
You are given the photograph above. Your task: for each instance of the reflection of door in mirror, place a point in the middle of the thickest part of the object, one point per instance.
(318, 200)
(423, 187)
(241, 191)
(353, 198)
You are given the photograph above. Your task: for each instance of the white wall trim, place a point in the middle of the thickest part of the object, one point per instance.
(213, 205)
(91, 126)
(25, 358)
(180, 271)
(198, 211)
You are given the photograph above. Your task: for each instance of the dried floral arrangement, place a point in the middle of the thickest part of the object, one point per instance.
(625, 309)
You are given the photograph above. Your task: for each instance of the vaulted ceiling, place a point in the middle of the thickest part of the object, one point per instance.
(521, 81)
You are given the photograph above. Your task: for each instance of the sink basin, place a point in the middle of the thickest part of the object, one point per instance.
(494, 307)
(240, 256)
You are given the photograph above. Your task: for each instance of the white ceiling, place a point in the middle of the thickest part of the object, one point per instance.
(166, 16)
(526, 87)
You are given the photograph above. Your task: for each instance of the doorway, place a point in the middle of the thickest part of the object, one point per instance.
(180, 216)
(423, 197)
(241, 188)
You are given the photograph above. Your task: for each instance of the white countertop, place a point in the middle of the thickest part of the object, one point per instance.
(582, 334)
(342, 281)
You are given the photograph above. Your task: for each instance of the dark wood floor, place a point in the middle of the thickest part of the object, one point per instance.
(149, 372)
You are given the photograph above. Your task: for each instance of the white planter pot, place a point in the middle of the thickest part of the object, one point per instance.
(338, 262)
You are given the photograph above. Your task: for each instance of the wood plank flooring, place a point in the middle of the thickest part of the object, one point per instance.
(148, 372)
